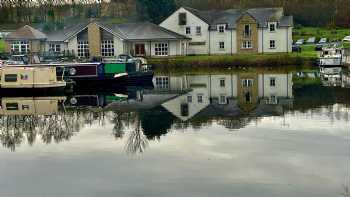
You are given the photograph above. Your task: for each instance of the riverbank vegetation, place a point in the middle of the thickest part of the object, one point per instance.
(2, 46)
(228, 62)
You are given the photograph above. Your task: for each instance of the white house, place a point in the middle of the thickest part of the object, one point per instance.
(259, 30)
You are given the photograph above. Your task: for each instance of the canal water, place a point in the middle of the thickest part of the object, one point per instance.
(246, 133)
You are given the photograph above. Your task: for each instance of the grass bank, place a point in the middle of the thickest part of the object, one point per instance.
(2, 46)
(320, 32)
(225, 62)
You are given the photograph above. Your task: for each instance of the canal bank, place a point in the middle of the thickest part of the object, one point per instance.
(231, 61)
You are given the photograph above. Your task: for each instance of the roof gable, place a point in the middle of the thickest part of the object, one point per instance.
(26, 33)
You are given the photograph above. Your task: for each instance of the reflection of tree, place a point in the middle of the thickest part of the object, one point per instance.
(137, 142)
(16, 129)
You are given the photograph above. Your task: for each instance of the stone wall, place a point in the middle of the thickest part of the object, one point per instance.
(94, 37)
(245, 20)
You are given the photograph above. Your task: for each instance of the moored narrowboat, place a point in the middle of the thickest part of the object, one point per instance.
(21, 79)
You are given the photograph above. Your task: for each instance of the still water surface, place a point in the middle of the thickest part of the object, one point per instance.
(240, 134)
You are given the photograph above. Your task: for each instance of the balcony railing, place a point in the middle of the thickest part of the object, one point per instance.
(247, 34)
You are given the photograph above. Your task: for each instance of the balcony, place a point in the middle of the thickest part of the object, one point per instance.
(247, 33)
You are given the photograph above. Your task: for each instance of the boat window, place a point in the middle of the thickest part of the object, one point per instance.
(11, 78)
(12, 106)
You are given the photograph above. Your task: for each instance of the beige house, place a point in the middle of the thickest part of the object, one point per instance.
(100, 39)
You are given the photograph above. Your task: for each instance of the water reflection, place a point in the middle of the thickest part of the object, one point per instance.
(140, 114)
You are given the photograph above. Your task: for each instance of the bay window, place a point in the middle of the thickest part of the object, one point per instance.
(161, 49)
(20, 47)
(107, 48)
(83, 49)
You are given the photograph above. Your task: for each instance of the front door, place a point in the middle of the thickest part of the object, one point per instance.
(140, 50)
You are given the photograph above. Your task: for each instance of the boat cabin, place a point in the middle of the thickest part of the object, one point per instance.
(30, 77)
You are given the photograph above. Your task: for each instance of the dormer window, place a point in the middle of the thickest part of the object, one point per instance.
(247, 30)
(272, 27)
(199, 30)
(221, 28)
(183, 18)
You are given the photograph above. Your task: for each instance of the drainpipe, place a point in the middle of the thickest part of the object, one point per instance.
(209, 40)
(287, 41)
(231, 41)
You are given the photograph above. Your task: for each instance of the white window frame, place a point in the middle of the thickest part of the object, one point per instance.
(21, 47)
(272, 82)
(247, 44)
(222, 99)
(107, 48)
(222, 45)
(221, 28)
(56, 48)
(200, 98)
(272, 44)
(198, 30)
(188, 30)
(247, 82)
(274, 25)
(83, 49)
(222, 83)
(162, 82)
(161, 49)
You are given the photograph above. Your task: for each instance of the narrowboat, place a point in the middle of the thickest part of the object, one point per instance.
(21, 79)
(31, 105)
(107, 73)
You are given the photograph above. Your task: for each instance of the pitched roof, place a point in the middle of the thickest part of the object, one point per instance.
(127, 31)
(230, 17)
(66, 33)
(143, 31)
(26, 33)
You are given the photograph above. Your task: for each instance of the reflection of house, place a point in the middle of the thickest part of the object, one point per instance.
(233, 94)
(30, 105)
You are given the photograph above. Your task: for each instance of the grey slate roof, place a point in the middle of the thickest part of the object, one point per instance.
(26, 33)
(142, 31)
(230, 17)
(66, 33)
(127, 31)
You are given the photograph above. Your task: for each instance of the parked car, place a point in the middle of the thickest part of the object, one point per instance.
(296, 48)
(346, 39)
(311, 40)
(319, 46)
(323, 41)
(300, 42)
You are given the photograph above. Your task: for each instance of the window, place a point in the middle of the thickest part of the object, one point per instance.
(221, 45)
(83, 49)
(199, 30)
(107, 48)
(272, 44)
(162, 82)
(161, 49)
(222, 83)
(221, 28)
(188, 30)
(247, 82)
(189, 99)
(273, 99)
(55, 48)
(222, 99)
(272, 82)
(20, 47)
(247, 44)
(247, 31)
(200, 98)
(182, 18)
(11, 78)
(272, 27)
(12, 106)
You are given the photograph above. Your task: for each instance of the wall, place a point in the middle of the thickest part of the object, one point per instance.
(283, 87)
(94, 36)
(193, 21)
(228, 37)
(73, 45)
(247, 19)
(280, 36)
